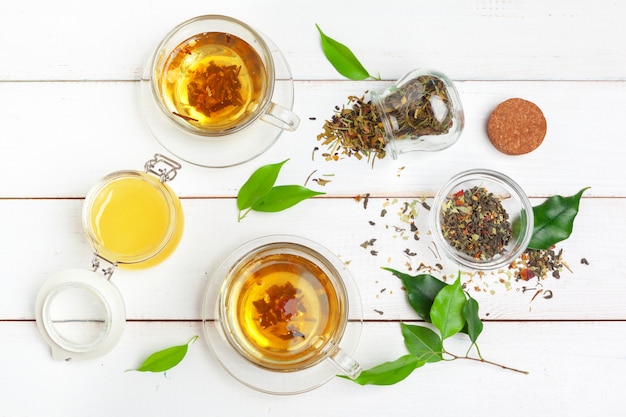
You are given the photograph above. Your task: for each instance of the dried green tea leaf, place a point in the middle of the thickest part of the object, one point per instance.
(259, 183)
(447, 310)
(282, 197)
(342, 58)
(165, 359)
(554, 220)
(423, 342)
(389, 373)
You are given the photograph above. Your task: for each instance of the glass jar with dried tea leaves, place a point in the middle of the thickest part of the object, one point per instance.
(482, 219)
(419, 112)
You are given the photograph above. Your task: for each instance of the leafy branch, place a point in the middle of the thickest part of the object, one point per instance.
(450, 309)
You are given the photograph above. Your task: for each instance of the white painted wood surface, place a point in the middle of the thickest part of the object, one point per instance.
(69, 114)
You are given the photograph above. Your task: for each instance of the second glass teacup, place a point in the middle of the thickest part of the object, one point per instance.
(282, 311)
(214, 75)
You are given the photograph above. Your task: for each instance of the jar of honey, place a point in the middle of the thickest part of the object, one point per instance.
(133, 220)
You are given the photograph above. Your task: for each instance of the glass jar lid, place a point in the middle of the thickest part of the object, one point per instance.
(80, 314)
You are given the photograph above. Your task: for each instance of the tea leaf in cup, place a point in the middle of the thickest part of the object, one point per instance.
(554, 220)
(447, 310)
(165, 359)
(342, 58)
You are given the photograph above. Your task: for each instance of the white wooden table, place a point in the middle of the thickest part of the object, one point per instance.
(70, 113)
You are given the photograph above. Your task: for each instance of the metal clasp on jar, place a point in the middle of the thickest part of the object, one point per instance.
(100, 264)
(163, 167)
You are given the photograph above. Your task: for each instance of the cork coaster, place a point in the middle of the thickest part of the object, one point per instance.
(516, 127)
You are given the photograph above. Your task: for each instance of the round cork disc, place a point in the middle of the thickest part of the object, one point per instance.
(516, 127)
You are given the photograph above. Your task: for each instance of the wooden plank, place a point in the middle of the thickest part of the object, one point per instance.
(476, 40)
(97, 128)
(558, 356)
(46, 236)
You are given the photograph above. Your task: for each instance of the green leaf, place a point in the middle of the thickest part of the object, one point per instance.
(342, 58)
(423, 342)
(165, 359)
(474, 325)
(259, 183)
(389, 373)
(282, 197)
(554, 220)
(447, 310)
(421, 291)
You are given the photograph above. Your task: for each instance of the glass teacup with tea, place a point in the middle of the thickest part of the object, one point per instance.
(214, 75)
(286, 315)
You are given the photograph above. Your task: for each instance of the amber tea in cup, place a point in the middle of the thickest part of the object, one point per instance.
(214, 75)
(283, 308)
(213, 81)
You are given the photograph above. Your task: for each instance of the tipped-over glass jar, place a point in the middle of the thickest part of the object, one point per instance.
(421, 111)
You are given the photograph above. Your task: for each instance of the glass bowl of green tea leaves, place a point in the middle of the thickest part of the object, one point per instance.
(482, 219)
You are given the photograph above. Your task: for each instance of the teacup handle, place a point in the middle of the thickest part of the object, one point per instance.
(281, 117)
(351, 368)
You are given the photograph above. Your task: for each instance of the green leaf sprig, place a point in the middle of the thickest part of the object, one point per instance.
(554, 220)
(450, 309)
(259, 193)
(165, 359)
(342, 58)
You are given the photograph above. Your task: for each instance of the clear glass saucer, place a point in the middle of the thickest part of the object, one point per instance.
(224, 151)
(263, 379)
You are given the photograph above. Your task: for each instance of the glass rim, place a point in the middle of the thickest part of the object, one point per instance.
(299, 249)
(160, 50)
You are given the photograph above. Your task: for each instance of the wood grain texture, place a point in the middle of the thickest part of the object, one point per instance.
(48, 237)
(85, 130)
(558, 356)
(481, 39)
(70, 113)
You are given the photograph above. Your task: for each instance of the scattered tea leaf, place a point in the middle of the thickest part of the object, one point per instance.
(321, 181)
(282, 197)
(423, 342)
(389, 373)
(342, 58)
(554, 220)
(447, 310)
(259, 183)
(165, 359)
